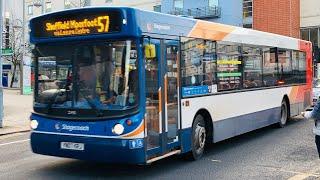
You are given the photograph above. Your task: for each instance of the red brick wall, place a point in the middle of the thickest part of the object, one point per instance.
(274, 16)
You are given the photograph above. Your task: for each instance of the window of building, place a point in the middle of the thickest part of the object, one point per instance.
(228, 67)
(178, 4)
(249, 26)
(198, 62)
(157, 8)
(252, 70)
(48, 6)
(213, 3)
(270, 67)
(314, 36)
(305, 34)
(108, 1)
(30, 10)
(247, 8)
(67, 4)
(285, 66)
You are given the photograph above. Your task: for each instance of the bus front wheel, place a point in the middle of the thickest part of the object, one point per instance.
(198, 139)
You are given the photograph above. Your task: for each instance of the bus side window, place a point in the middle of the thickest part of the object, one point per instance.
(252, 61)
(270, 68)
(198, 62)
(228, 66)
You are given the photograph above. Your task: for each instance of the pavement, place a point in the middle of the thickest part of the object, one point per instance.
(17, 109)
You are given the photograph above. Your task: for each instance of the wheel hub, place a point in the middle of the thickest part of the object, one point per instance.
(200, 137)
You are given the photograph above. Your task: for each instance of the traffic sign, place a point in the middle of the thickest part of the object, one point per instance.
(7, 52)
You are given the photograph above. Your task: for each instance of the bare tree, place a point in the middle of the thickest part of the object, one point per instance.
(16, 44)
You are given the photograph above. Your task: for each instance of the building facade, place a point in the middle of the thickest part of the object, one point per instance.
(221, 11)
(277, 16)
(310, 25)
(36, 7)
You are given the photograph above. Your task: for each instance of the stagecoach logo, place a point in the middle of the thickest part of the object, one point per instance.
(60, 127)
(57, 126)
(159, 27)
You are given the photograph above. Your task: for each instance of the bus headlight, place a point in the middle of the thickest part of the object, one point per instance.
(118, 129)
(34, 124)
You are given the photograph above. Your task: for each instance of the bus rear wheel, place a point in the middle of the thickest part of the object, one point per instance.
(199, 136)
(284, 114)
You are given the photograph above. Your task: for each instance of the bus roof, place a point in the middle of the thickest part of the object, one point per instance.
(149, 22)
(159, 23)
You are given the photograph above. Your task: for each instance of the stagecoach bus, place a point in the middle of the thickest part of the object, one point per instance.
(123, 85)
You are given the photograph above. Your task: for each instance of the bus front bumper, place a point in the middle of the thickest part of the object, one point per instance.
(95, 149)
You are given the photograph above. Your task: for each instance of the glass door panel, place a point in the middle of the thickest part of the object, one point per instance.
(153, 97)
(171, 89)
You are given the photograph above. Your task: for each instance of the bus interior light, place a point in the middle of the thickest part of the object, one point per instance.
(118, 129)
(124, 21)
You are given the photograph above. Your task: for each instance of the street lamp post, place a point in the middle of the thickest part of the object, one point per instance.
(24, 44)
(1, 88)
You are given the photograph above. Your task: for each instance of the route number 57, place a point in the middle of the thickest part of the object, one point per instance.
(103, 22)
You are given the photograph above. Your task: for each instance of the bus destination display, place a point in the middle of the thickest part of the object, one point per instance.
(78, 24)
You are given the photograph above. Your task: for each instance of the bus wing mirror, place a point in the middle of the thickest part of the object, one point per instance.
(150, 51)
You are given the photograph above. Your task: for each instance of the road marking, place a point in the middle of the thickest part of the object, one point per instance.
(14, 142)
(302, 176)
(298, 175)
(213, 160)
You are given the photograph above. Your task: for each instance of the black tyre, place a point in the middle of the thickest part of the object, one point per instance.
(198, 139)
(284, 117)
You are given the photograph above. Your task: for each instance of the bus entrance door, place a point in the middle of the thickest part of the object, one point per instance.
(171, 92)
(162, 96)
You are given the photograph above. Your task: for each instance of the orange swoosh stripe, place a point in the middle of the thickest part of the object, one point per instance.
(139, 130)
(209, 30)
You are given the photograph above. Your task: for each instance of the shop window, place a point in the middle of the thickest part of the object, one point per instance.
(305, 34)
(314, 36)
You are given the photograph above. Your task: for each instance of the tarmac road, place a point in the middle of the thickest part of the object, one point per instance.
(268, 153)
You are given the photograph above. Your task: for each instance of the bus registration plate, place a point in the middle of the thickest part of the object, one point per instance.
(72, 146)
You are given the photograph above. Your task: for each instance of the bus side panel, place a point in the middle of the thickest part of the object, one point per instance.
(185, 135)
(300, 99)
(236, 113)
(231, 127)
